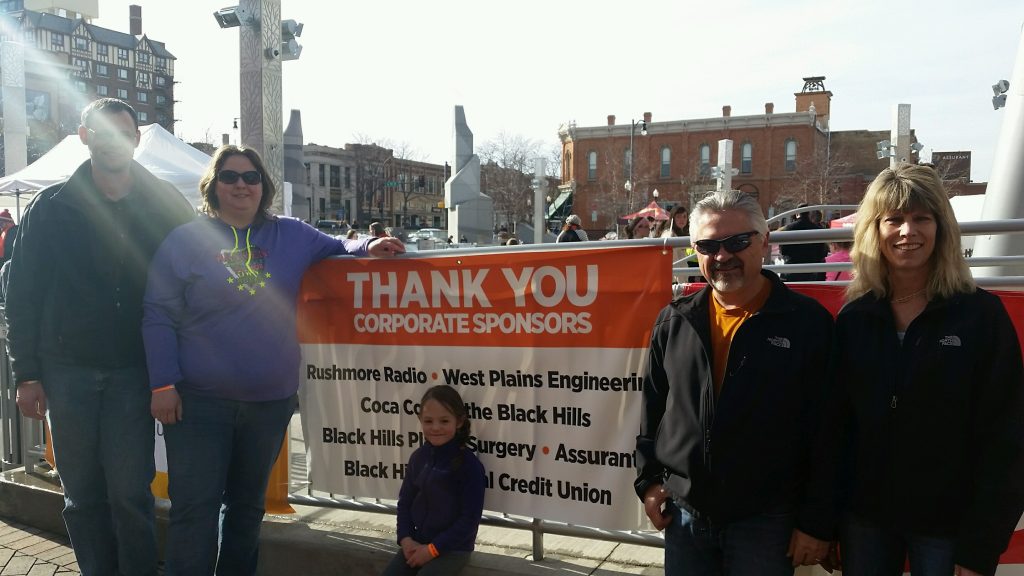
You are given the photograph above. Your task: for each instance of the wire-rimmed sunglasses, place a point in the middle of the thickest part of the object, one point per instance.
(732, 244)
(250, 177)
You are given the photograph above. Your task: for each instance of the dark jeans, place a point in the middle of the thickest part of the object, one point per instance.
(445, 565)
(871, 550)
(754, 546)
(219, 459)
(102, 435)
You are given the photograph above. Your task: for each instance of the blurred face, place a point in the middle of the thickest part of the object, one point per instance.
(642, 229)
(111, 138)
(908, 240)
(238, 196)
(732, 266)
(438, 423)
(681, 219)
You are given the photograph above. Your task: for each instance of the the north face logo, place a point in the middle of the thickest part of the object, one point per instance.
(952, 340)
(780, 341)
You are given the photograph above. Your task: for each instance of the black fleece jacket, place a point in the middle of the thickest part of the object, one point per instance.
(79, 269)
(746, 452)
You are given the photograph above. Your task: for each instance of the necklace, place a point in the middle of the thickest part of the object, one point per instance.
(908, 297)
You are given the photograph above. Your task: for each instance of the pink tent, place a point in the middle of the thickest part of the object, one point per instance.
(844, 222)
(652, 210)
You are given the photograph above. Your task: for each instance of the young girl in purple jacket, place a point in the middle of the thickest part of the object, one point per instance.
(442, 496)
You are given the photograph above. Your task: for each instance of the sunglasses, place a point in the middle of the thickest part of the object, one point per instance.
(250, 177)
(732, 244)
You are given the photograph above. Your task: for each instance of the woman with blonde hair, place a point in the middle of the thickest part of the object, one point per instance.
(924, 447)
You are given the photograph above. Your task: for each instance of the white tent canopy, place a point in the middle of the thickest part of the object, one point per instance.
(159, 152)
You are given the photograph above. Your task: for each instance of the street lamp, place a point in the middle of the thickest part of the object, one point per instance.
(632, 131)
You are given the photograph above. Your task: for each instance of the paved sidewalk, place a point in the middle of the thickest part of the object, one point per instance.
(27, 550)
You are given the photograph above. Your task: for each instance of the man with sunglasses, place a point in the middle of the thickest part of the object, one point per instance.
(74, 309)
(730, 402)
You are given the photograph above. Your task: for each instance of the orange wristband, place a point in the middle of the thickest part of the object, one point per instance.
(162, 388)
(433, 550)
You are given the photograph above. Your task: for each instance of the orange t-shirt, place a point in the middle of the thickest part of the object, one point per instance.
(724, 324)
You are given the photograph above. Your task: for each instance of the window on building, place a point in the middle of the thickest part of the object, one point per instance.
(122, 74)
(80, 63)
(161, 99)
(101, 90)
(160, 81)
(102, 70)
(141, 57)
(746, 158)
(705, 159)
(142, 96)
(592, 165)
(12, 5)
(122, 93)
(57, 40)
(80, 43)
(62, 12)
(161, 118)
(790, 155)
(142, 79)
(102, 51)
(80, 86)
(322, 173)
(666, 162)
(161, 63)
(335, 176)
(122, 56)
(348, 177)
(627, 163)
(143, 117)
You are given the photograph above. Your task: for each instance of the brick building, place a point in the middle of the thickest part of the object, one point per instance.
(70, 62)
(782, 158)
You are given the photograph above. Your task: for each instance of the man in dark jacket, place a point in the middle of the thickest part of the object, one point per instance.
(74, 309)
(731, 394)
(804, 253)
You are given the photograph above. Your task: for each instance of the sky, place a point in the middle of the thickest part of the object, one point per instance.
(395, 70)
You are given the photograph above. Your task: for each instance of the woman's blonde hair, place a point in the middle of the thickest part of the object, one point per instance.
(904, 188)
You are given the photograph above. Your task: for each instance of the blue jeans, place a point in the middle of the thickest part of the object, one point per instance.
(219, 458)
(871, 550)
(754, 546)
(102, 436)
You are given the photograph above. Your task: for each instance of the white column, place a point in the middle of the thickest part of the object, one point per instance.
(1003, 198)
(899, 136)
(539, 189)
(725, 164)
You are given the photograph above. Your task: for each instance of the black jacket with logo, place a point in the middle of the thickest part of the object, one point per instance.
(79, 268)
(747, 452)
(928, 436)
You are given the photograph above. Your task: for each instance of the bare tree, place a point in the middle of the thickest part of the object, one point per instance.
(815, 179)
(506, 173)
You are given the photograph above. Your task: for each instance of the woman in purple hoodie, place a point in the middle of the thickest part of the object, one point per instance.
(223, 357)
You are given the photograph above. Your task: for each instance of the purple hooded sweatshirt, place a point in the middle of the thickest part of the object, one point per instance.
(219, 310)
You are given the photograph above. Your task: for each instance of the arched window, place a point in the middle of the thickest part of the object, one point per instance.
(746, 158)
(705, 159)
(666, 161)
(627, 163)
(592, 165)
(567, 171)
(790, 155)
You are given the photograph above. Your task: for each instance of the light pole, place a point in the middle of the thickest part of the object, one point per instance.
(632, 131)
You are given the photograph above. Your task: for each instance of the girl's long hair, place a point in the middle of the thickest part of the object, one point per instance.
(904, 188)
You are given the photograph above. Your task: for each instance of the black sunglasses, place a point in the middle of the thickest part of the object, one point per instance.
(732, 244)
(230, 177)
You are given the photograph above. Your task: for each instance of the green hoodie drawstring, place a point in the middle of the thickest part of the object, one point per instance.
(248, 248)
